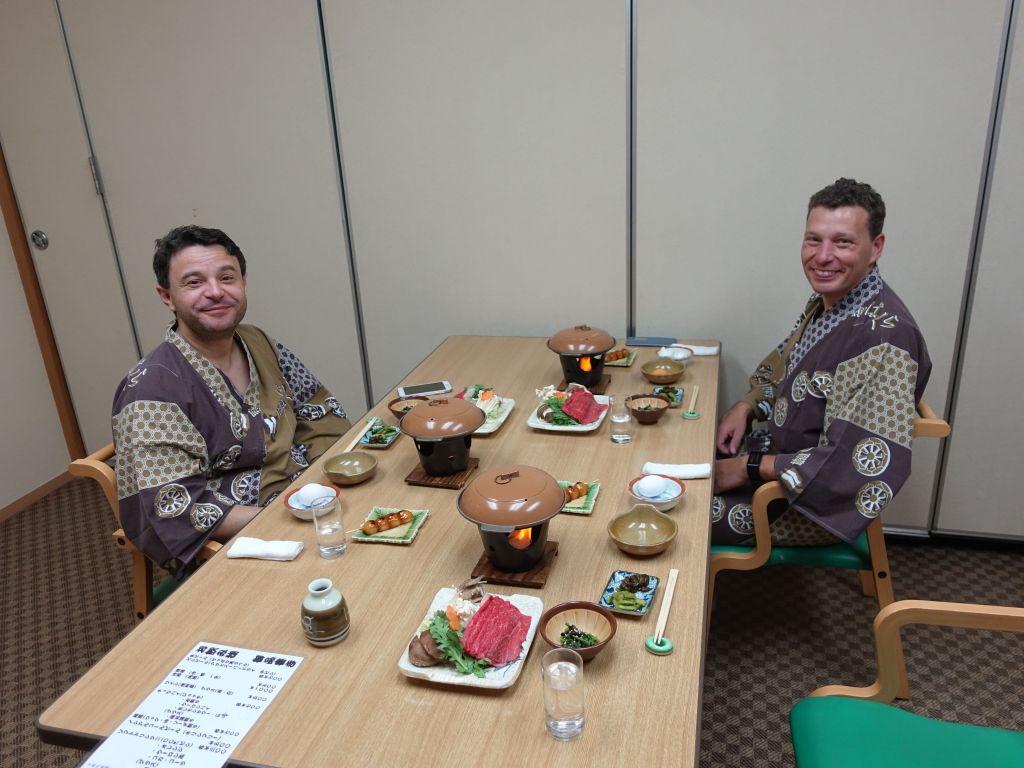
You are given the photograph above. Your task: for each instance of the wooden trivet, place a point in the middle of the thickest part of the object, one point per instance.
(419, 476)
(597, 389)
(536, 577)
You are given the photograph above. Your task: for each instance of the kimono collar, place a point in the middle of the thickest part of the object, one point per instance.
(828, 320)
(214, 379)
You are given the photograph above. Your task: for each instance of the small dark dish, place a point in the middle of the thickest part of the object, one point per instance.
(647, 409)
(587, 616)
(401, 405)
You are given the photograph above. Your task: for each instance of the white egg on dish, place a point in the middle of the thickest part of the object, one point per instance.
(651, 486)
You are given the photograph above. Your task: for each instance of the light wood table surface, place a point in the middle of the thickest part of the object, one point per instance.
(349, 704)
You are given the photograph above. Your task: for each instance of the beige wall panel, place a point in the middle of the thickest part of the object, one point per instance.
(33, 450)
(745, 109)
(48, 157)
(217, 114)
(485, 158)
(981, 489)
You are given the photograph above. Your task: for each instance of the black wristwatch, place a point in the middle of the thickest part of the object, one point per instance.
(754, 467)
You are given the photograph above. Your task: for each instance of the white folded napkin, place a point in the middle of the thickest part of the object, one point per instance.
(708, 350)
(246, 546)
(682, 471)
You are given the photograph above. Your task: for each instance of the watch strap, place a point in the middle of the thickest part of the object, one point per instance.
(754, 467)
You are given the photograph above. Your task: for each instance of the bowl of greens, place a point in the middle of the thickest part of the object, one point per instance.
(578, 624)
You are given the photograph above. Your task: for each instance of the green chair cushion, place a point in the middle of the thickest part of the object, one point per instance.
(855, 556)
(164, 588)
(839, 732)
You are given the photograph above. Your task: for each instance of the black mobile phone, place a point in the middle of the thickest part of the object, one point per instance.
(649, 341)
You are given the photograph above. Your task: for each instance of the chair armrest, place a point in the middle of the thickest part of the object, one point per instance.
(928, 424)
(762, 550)
(888, 648)
(95, 466)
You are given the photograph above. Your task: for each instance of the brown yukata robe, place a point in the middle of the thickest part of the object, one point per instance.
(189, 447)
(840, 397)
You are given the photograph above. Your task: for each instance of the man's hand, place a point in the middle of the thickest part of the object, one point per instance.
(733, 427)
(731, 473)
(235, 520)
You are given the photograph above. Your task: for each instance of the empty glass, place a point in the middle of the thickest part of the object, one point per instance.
(330, 527)
(562, 670)
(622, 421)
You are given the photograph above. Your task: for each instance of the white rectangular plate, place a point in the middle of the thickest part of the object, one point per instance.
(496, 677)
(503, 410)
(537, 422)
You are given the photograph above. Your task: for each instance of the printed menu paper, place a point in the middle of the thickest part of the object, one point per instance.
(200, 712)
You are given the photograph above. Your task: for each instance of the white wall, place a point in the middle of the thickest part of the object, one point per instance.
(32, 450)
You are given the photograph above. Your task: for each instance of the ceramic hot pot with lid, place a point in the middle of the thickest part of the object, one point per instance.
(512, 505)
(442, 429)
(581, 351)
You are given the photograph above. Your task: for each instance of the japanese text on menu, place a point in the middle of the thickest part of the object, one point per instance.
(200, 712)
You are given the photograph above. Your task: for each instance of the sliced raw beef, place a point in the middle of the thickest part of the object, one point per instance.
(582, 407)
(496, 632)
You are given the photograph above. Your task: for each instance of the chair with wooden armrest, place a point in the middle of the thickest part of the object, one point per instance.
(866, 555)
(844, 727)
(145, 594)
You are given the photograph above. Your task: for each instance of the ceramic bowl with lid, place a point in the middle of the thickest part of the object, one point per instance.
(512, 505)
(581, 351)
(442, 429)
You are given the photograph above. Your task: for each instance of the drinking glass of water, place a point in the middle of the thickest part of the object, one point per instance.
(623, 423)
(562, 670)
(330, 527)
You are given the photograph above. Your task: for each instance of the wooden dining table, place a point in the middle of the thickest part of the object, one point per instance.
(349, 704)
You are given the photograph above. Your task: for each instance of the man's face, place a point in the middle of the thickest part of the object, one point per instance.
(838, 252)
(206, 293)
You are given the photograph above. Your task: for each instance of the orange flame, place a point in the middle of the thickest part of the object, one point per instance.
(585, 364)
(521, 539)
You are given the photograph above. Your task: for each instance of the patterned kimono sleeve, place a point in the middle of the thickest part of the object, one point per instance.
(167, 507)
(319, 418)
(763, 384)
(863, 455)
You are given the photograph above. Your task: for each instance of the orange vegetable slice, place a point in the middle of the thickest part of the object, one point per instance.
(453, 617)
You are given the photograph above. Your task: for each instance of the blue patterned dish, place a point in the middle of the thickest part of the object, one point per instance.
(616, 581)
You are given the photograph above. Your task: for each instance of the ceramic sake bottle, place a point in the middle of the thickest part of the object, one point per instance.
(325, 619)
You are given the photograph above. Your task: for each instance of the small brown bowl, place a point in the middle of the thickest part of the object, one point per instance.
(663, 370)
(350, 468)
(647, 409)
(589, 617)
(642, 531)
(400, 405)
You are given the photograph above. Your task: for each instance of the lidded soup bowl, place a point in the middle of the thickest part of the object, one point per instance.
(581, 351)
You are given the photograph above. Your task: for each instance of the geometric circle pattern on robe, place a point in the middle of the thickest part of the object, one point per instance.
(741, 519)
(820, 384)
(872, 498)
(166, 446)
(717, 508)
(781, 409)
(799, 388)
(246, 487)
(875, 391)
(871, 456)
(203, 516)
(171, 500)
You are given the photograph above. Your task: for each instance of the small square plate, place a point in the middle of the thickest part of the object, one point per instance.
(624, 362)
(613, 584)
(674, 395)
(403, 534)
(584, 505)
(390, 435)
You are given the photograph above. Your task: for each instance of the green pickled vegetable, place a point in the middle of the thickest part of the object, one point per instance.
(574, 637)
(626, 601)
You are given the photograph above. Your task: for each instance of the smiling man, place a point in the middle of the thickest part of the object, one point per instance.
(212, 424)
(839, 393)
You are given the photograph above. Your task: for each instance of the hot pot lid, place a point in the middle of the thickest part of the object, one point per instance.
(510, 497)
(440, 418)
(581, 340)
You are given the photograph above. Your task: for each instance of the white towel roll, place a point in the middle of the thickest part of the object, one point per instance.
(246, 546)
(682, 471)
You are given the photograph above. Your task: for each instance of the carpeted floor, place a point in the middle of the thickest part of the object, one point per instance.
(776, 635)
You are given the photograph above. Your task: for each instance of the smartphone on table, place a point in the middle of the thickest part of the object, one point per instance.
(424, 390)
